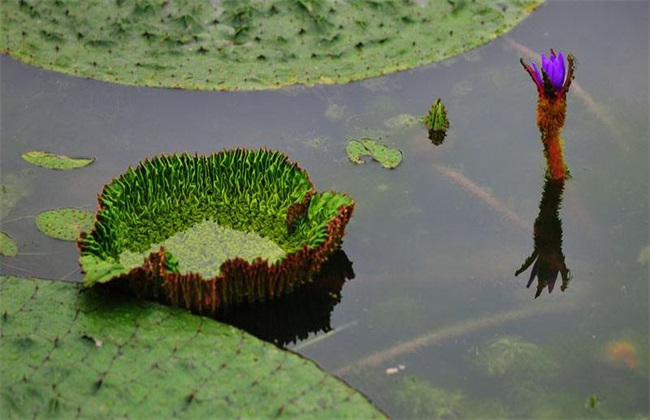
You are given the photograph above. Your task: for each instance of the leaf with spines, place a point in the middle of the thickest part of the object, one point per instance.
(251, 203)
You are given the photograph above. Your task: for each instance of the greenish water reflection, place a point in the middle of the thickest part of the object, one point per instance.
(435, 242)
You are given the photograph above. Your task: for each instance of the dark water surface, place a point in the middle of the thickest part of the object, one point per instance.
(434, 324)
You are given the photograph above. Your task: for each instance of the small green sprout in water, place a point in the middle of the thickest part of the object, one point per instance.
(436, 122)
(593, 401)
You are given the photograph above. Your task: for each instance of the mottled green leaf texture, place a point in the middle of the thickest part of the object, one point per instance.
(67, 353)
(53, 161)
(388, 157)
(7, 245)
(66, 223)
(203, 247)
(247, 44)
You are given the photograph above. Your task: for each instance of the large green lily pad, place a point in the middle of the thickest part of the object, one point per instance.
(65, 224)
(247, 44)
(211, 232)
(54, 161)
(68, 354)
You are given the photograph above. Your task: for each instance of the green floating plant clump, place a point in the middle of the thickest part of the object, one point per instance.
(247, 44)
(209, 232)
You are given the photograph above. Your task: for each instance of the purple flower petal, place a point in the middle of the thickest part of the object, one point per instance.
(562, 67)
(555, 69)
(538, 76)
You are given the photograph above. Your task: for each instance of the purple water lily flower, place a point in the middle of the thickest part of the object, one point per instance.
(554, 67)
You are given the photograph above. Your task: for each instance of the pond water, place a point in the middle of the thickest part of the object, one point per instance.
(434, 323)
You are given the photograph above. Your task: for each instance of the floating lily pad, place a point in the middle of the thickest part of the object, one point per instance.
(53, 161)
(65, 224)
(387, 156)
(251, 44)
(210, 232)
(8, 247)
(356, 150)
(68, 354)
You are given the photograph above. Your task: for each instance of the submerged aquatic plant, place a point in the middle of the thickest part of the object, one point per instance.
(210, 232)
(553, 82)
(548, 256)
(422, 400)
(508, 355)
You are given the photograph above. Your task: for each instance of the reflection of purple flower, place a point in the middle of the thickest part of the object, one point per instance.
(547, 258)
(546, 269)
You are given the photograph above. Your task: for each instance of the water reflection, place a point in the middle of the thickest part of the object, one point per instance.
(547, 256)
(294, 316)
(437, 137)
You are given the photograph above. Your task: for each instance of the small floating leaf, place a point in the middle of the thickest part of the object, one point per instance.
(436, 122)
(387, 156)
(436, 119)
(355, 151)
(65, 224)
(7, 245)
(52, 161)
